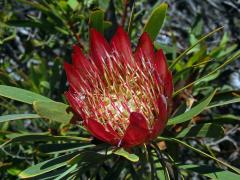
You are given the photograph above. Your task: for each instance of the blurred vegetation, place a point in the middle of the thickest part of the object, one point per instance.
(37, 36)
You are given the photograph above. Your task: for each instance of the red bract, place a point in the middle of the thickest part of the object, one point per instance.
(122, 97)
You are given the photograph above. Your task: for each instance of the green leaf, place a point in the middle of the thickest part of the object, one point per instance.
(225, 96)
(202, 130)
(236, 100)
(65, 173)
(46, 166)
(25, 23)
(96, 20)
(36, 137)
(233, 57)
(209, 78)
(106, 25)
(38, 24)
(103, 4)
(73, 4)
(194, 45)
(21, 94)
(51, 175)
(54, 111)
(155, 22)
(63, 147)
(229, 118)
(235, 169)
(46, 9)
(127, 155)
(13, 171)
(166, 48)
(192, 112)
(211, 172)
(12, 117)
(35, 5)
(87, 157)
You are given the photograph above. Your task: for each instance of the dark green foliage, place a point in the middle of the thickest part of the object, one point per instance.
(36, 139)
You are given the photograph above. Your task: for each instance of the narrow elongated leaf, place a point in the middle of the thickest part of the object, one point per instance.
(25, 23)
(38, 24)
(40, 137)
(96, 20)
(63, 147)
(46, 9)
(87, 157)
(127, 155)
(192, 112)
(226, 96)
(155, 22)
(194, 45)
(159, 168)
(235, 169)
(54, 111)
(130, 22)
(51, 175)
(202, 130)
(65, 173)
(46, 166)
(35, 5)
(233, 57)
(12, 117)
(235, 100)
(21, 94)
(226, 118)
(211, 172)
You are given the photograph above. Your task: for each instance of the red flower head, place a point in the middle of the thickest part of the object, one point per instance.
(121, 97)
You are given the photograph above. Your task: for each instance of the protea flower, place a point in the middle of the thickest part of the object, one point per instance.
(122, 97)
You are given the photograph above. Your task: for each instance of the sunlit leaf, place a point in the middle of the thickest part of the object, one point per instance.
(236, 100)
(12, 117)
(127, 155)
(68, 171)
(46, 166)
(21, 94)
(54, 111)
(192, 112)
(73, 4)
